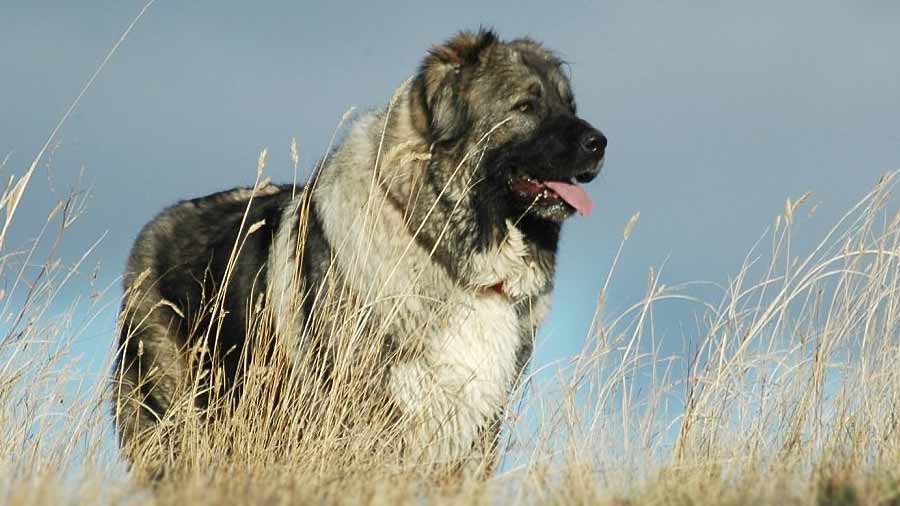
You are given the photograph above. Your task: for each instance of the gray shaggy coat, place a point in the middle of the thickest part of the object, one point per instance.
(440, 214)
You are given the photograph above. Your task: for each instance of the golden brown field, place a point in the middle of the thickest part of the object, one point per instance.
(785, 393)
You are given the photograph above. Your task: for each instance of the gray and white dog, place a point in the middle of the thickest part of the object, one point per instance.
(442, 212)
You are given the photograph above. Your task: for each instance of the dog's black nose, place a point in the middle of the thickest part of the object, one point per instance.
(593, 142)
(588, 176)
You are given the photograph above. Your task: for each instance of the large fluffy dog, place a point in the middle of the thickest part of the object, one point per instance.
(439, 214)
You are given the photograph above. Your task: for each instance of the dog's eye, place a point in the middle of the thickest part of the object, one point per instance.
(525, 106)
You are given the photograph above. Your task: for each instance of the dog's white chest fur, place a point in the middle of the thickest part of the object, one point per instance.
(464, 375)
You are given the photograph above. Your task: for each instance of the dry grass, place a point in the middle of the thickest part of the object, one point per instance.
(785, 393)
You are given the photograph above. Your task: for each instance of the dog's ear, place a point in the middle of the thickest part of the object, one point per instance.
(437, 104)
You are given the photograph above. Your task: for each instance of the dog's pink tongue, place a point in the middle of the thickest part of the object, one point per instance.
(574, 195)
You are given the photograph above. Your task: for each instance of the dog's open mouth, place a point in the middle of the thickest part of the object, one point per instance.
(547, 193)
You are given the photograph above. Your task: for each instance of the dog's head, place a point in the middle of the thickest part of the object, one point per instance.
(509, 105)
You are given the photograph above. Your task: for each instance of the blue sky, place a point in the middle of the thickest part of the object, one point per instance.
(715, 112)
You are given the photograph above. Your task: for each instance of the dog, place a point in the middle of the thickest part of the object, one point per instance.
(439, 214)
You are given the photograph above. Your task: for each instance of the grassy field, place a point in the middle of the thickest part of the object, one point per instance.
(785, 392)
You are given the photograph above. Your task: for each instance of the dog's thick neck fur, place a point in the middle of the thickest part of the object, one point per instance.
(395, 235)
(402, 190)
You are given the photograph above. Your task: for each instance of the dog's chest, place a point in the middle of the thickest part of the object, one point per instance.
(461, 381)
(479, 350)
